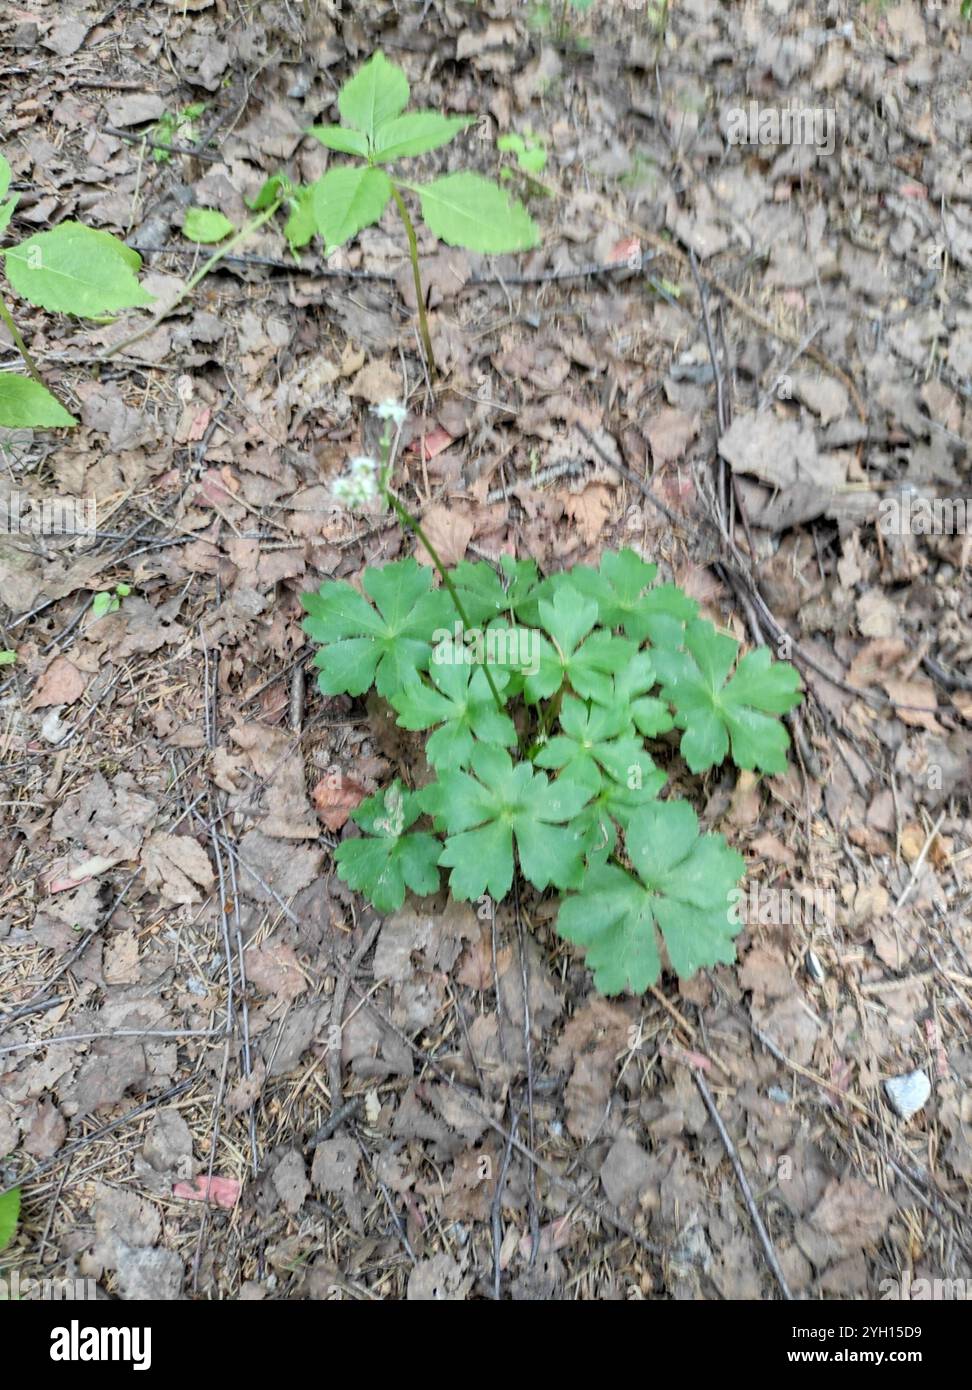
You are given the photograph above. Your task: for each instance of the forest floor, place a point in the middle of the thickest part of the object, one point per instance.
(187, 991)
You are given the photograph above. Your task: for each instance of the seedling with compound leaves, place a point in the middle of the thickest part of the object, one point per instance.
(71, 269)
(462, 209)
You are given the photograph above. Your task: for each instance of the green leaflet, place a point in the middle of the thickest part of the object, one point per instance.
(377, 92)
(384, 646)
(681, 885)
(386, 860)
(9, 1216)
(25, 403)
(206, 225)
(7, 208)
(502, 805)
(347, 199)
(415, 133)
(338, 137)
(76, 270)
(467, 210)
(714, 711)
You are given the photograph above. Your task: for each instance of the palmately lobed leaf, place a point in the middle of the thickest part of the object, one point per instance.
(387, 859)
(459, 705)
(385, 645)
(681, 885)
(500, 806)
(717, 714)
(75, 269)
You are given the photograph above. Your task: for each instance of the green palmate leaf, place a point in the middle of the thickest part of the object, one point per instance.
(387, 860)
(206, 225)
(624, 598)
(5, 176)
(460, 701)
(681, 884)
(338, 137)
(7, 657)
(480, 590)
(714, 712)
(25, 403)
(385, 646)
(347, 199)
(415, 133)
(467, 210)
(586, 659)
(650, 715)
(595, 740)
(597, 748)
(9, 1215)
(377, 92)
(76, 270)
(500, 806)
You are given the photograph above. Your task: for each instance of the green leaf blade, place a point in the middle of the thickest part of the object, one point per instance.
(9, 1216)
(76, 270)
(24, 403)
(467, 210)
(415, 133)
(338, 137)
(206, 225)
(375, 94)
(348, 199)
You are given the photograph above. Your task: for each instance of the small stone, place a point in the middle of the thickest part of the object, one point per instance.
(814, 969)
(907, 1094)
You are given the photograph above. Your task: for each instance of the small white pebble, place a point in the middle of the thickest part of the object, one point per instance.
(907, 1094)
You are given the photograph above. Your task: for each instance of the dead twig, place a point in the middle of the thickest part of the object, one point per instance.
(764, 1237)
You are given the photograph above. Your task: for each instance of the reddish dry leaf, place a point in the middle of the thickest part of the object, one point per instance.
(224, 1192)
(428, 445)
(627, 251)
(335, 797)
(590, 509)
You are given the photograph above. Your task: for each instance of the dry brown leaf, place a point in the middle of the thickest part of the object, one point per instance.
(449, 530)
(61, 684)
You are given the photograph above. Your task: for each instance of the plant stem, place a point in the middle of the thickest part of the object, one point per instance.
(20, 345)
(253, 225)
(407, 519)
(417, 277)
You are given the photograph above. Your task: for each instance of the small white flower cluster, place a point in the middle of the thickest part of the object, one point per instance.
(359, 486)
(391, 410)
